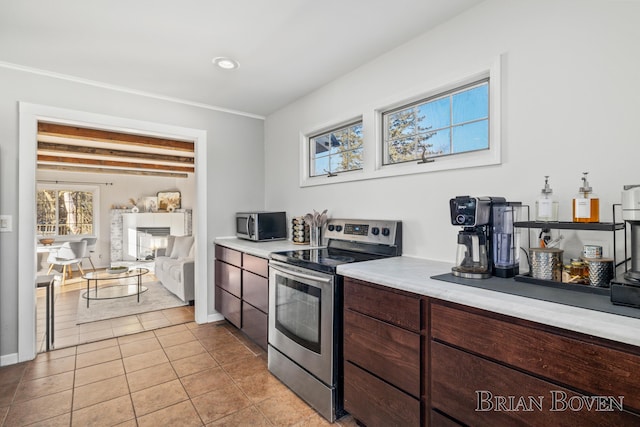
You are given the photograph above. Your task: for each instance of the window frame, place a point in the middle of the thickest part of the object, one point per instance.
(372, 131)
(94, 189)
(341, 127)
(451, 126)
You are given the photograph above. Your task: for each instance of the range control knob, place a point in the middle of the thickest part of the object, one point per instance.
(386, 231)
(331, 227)
(338, 228)
(375, 231)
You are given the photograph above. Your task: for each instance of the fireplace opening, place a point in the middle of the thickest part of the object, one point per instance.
(149, 240)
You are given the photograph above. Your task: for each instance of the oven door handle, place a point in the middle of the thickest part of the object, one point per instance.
(296, 274)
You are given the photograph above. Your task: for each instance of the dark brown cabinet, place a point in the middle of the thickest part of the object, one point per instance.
(242, 292)
(410, 360)
(382, 355)
(493, 370)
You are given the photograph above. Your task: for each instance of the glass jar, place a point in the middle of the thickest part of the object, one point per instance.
(579, 271)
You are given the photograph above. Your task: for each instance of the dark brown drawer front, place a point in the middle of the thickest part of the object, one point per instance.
(229, 306)
(229, 256)
(376, 403)
(255, 290)
(591, 368)
(255, 324)
(229, 278)
(390, 352)
(461, 383)
(256, 265)
(439, 420)
(399, 310)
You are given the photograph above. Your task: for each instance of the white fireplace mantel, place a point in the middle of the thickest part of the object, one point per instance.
(124, 227)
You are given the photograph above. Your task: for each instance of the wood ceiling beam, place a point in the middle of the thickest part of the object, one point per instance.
(111, 163)
(112, 171)
(76, 149)
(75, 132)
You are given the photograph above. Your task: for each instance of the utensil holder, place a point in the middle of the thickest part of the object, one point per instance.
(315, 238)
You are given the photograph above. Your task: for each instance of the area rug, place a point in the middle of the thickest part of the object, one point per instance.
(157, 297)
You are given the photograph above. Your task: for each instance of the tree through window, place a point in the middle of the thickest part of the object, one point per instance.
(449, 123)
(65, 212)
(338, 150)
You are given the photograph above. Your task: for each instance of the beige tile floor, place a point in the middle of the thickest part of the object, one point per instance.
(152, 369)
(181, 375)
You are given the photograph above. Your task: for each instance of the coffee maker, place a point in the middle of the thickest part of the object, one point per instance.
(488, 242)
(626, 291)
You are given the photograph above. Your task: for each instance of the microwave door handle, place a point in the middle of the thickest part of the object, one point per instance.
(250, 226)
(298, 275)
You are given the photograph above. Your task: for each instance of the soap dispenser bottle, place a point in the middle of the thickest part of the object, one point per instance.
(586, 206)
(546, 205)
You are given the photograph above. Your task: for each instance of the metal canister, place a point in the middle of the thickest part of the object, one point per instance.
(592, 251)
(600, 271)
(546, 263)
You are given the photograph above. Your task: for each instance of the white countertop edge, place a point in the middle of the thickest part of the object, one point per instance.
(414, 275)
(259, 249)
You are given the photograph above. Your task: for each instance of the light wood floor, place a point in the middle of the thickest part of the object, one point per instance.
(67, 333)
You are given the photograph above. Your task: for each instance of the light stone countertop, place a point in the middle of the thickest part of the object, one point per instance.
(414, 275)
(259, 249)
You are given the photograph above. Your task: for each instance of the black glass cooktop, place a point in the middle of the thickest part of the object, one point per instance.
(322, 259)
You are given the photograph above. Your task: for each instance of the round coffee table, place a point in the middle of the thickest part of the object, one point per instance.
(114, 290)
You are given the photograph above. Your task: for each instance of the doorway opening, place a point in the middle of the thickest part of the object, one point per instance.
(30, 116)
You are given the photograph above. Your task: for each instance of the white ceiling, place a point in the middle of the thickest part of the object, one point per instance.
(286, 48)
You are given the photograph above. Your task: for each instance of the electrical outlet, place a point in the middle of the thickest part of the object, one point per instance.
(6, 223)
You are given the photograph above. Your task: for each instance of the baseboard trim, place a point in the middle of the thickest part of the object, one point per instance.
(9, 359)
(214, 317)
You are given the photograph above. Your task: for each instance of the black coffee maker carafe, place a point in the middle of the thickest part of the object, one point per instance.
(486, 245)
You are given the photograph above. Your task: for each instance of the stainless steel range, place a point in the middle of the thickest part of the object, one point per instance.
(305, 308)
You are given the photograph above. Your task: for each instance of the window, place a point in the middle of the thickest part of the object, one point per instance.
(66, 211)
(338, 150)
(443, 125)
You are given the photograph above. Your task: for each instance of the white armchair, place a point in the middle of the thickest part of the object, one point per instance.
(70, 253)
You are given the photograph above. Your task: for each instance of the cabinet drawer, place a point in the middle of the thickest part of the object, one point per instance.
(229, 256)
(255, 324)
(255, 265)
(255, 290)
(439, 420)
(391, 307)
(390, 352)
(229, 278)
(375, 403)
(591, 368)
(229, 306)
(468, 388)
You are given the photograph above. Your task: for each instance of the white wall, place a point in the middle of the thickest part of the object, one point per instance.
(569, 104)
(231, 173)
(121, 189)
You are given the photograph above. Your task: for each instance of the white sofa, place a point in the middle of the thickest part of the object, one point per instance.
(174, 269)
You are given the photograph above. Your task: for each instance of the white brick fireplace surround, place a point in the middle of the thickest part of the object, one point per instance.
(124, 225)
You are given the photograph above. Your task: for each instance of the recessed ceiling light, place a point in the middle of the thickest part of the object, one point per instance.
(226, 63)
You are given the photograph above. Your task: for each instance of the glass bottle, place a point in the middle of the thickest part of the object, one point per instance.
(546, 205)
(586, 206)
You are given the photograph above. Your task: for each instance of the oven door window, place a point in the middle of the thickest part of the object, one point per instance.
(298, 312)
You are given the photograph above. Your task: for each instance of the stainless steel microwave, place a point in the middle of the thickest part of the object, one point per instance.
(261, 226)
